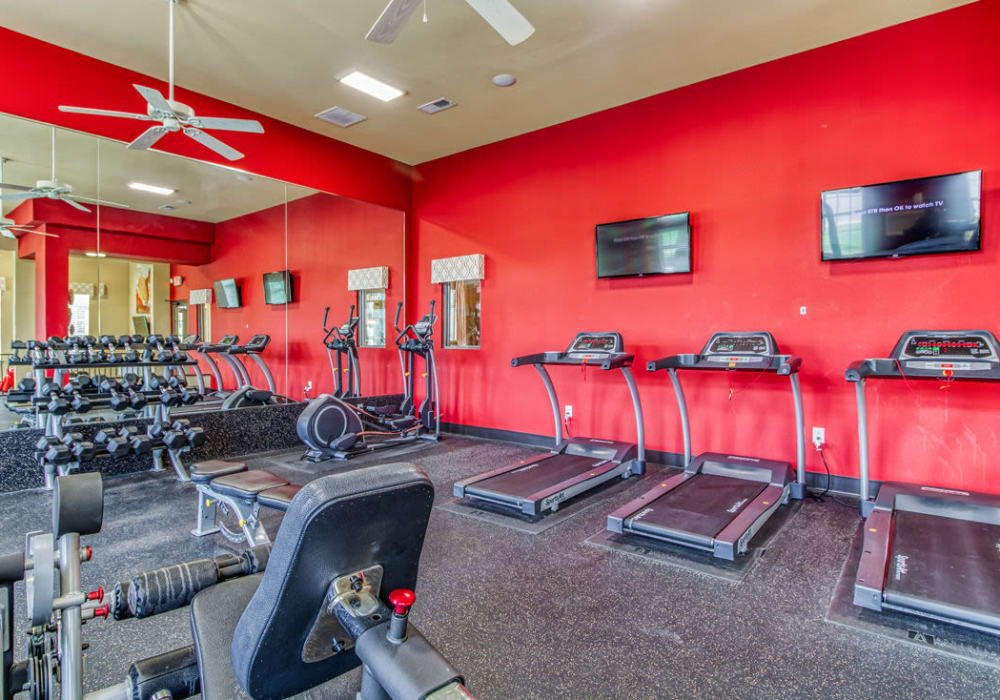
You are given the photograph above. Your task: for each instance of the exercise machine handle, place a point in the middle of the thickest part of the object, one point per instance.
(350, 316)
(395, 324)
(326, 314)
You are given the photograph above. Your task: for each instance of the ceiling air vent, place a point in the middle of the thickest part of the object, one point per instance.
(438, 105)
(340, 116)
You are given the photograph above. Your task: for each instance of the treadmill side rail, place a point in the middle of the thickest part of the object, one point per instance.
(551, 497)
(734, 538)
(870, 579)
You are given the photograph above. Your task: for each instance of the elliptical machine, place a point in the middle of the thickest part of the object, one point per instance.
(341, 427)
(344, 341)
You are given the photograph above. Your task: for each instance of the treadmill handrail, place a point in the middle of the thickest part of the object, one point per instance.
(889, 368)
(780, 364)
(611, 361)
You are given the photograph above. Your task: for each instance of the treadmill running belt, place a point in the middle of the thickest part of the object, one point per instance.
(703, 505)
(951, 561)
(538, 475)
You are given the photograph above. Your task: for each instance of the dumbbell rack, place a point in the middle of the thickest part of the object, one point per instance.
(46, 356)
(60, 455)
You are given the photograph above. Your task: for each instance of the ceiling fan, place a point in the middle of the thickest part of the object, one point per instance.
(51, 188)
(499, 14)
(175, 116)
(11, 229)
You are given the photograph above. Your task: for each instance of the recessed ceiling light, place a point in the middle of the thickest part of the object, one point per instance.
(245, 177)
(504, 80)
(96, 255)
(371, 86)
(155, 189)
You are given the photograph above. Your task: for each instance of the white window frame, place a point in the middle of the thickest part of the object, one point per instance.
(447, 313)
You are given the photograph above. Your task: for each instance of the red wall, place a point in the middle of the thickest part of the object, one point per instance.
(284, 152)
(747, 154)
(327, 235)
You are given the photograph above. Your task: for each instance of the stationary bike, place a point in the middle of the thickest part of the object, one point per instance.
(342, 427)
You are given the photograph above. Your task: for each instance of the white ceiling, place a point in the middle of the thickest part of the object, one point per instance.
(283, 58)
(101, 168)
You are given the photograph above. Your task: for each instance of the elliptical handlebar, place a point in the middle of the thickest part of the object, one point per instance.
(395, 324)
(426, 323)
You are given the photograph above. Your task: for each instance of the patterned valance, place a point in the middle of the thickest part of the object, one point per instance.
(88, 289)
(368, 278)
(458, 269)
(200, 296)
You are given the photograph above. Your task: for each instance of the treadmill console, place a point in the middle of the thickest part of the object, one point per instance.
(257, 343)
(947, 350)
(228, 340)
(730, 348)
(595, 346)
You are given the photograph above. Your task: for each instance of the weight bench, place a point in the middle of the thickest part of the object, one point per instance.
(242, 492)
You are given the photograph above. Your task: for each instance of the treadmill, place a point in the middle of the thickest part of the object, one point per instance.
(928, 551)
(574, 465)
(720, 501)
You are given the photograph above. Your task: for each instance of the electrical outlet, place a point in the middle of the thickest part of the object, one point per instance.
(568, 411)
(307, 388)
(802, 311)
(819, 437)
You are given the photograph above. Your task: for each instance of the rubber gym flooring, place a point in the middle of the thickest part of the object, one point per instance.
(545, 615)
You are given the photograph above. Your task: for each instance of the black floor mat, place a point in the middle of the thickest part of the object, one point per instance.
(910, 629)
(696, 560)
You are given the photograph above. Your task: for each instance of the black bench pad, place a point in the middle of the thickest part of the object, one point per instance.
(247, 484)
(280, 497)
(212, 468)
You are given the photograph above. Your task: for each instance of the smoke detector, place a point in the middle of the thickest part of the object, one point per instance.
(340, 116)
(438, 105)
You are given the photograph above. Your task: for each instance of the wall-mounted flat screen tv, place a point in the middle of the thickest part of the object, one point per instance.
(659, 245)
(227, 294)
(938, 214)
(278, 287)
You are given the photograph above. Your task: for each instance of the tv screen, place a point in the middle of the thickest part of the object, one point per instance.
(227, 294)
(660, 245)
(141, 325)
(278, 287)
(910, 217)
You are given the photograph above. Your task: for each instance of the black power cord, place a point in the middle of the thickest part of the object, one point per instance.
(821, 497)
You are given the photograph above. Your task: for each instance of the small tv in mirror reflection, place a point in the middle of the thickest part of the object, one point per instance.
(278, 287)
(227, 294)
(140, 324)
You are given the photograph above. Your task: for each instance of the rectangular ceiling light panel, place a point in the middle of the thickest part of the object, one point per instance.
(371, 86)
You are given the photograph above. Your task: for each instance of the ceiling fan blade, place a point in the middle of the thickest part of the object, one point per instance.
(148, 138)
(43, 233)
(7, 233)
(392, 20)
(104, 112)
(211, 142)
(106, 202)
(8, 186)
(249, 125)
(75, 205)
(504, 18)
(155, 99)
(20, 195)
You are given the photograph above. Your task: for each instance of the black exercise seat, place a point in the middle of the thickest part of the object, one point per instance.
(249, 632)
(279, 497)
(215, 612)
(247, 484)
(212, 468)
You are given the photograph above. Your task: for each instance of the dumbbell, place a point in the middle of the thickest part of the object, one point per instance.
(49, 449)
(57, 404)
(137, 442)
(111, 345)
(119, 400)
(181, 434)
(179, 384)
(120, 443)
(111, 441)
(75, 354)
(132, 385)
(76, 386)
(130, 355)
(81, 450)
(27, 385)
(168, 397)
(175, 345)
